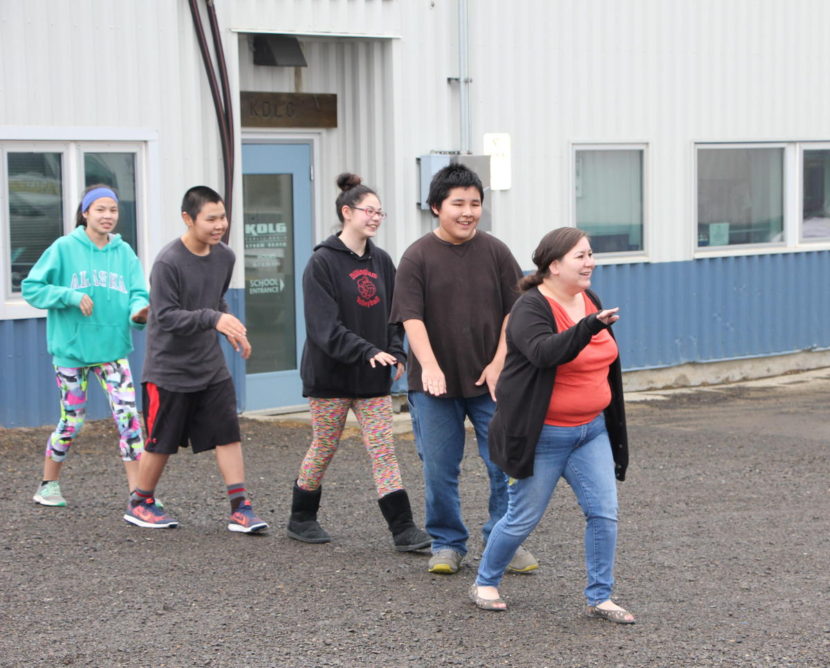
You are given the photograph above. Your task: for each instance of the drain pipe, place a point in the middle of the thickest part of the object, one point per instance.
(221, 65)
(464, 76)
(222, 107)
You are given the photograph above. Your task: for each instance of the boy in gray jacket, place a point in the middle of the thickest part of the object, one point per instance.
(188, 391)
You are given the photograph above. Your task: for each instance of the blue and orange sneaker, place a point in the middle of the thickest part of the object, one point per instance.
(150, 515)
(243, 520)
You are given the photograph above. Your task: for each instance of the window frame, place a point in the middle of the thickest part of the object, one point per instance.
(793, 201)
(786, 198)
(5, 227)
(140, 194)
(819, 243)
(73, 144)
(618, 257)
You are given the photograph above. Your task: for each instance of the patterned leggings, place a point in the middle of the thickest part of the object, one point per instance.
(117, 382)
(328, 416)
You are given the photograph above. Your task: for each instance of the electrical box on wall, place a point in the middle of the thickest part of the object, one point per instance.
(480, 164)
(432, 162)
(428, 165)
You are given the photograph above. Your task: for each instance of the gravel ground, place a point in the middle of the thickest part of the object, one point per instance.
(723, 555)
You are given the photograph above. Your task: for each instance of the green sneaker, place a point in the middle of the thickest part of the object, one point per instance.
(49, 494)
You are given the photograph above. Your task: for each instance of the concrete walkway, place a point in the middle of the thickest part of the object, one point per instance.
(402, 423)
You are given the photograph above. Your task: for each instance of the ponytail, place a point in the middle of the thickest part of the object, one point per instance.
(553, 246)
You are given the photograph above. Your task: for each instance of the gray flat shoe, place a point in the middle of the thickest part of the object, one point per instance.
(494, 604)
(620, 616)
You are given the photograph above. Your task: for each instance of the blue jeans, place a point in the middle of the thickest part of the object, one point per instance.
(583, 456)
(438, 425)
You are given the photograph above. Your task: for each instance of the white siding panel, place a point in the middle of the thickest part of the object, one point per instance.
(551, 73)
(338, 17)
(353, 69)
(115, 65)
(667, 74)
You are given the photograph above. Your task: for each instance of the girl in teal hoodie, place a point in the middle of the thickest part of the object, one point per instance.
(93, 287)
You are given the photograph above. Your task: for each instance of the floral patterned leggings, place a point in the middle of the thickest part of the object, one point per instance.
(117, 382)
(328, 416)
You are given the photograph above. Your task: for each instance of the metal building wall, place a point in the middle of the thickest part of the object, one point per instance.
(551, 73)
(312, 17)
(102, 69)
(718, 308)
(352, 69)
(667, 74)
(112, 67)
(28, 396)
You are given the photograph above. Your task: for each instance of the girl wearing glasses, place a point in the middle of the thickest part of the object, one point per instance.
(350, 353)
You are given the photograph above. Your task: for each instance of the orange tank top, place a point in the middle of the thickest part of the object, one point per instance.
(581, 390)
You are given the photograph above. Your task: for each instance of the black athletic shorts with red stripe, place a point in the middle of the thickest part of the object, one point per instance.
(204, 419)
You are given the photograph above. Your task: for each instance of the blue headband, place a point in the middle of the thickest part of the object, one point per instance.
(94, 194)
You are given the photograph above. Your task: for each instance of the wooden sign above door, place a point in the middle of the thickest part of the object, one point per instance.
(288, 110)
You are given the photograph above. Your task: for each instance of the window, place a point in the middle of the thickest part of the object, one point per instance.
(740, 195)
(42, 187)
(815, 203)
(116, 170)
(35, 196)
(609, 197)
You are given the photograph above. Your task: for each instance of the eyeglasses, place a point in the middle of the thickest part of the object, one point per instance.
(371, 211)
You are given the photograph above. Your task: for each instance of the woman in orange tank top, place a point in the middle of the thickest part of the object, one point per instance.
(559, 414)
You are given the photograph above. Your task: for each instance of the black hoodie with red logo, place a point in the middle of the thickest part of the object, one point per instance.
(347, 301)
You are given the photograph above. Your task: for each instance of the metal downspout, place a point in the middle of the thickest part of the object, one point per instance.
(226, 93)
(221, 98)
(464, 77)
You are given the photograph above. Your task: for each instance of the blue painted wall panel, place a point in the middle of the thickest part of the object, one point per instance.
(718, 308)
(698, 311)
(28, 393)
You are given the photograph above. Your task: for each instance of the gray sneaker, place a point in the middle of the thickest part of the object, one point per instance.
(522, 562)
(446, 562)
(49, 494)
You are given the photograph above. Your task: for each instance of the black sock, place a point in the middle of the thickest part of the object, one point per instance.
(236, 493)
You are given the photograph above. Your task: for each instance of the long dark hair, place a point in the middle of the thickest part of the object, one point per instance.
(553, 246)
(352, 192)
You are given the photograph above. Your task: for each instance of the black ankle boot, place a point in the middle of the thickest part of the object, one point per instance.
(302, 525)
(398, 513)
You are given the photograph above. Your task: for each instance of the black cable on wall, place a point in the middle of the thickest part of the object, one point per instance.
(221, 96)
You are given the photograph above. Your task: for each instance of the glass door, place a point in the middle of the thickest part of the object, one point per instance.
(276, 188)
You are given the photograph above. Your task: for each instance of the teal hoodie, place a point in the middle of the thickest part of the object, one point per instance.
(112, 276)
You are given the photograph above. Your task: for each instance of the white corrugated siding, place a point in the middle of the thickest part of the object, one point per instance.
(665, 73)
(548, 72)
(116, 65)
(551, 73)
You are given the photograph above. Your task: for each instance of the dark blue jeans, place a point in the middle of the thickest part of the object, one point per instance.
(438, 425)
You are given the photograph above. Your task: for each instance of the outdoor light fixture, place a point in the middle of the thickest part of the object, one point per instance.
(278, 51)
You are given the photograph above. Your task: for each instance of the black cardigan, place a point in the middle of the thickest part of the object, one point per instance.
(523, 392)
